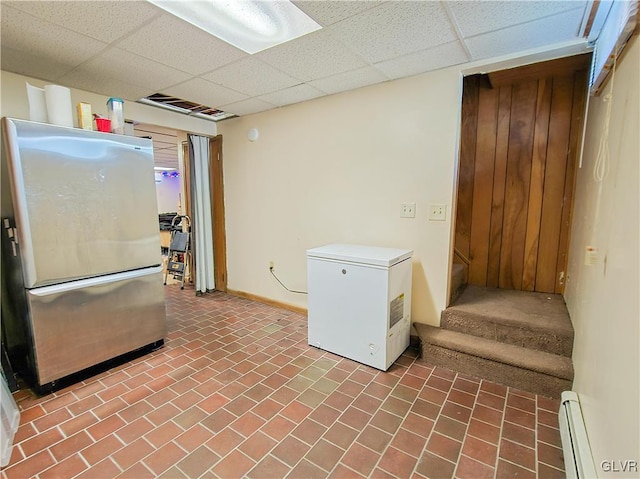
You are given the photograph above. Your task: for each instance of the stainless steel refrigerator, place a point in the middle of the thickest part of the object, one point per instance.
(81, 248)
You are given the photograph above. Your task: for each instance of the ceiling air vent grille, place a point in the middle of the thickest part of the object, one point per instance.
(185, 107)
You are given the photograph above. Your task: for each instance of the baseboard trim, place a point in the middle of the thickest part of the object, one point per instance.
(270, 302)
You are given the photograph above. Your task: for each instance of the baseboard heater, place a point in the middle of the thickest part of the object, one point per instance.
(578, 461)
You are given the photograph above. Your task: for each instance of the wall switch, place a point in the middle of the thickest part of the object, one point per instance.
(437, 212)
(408, 210)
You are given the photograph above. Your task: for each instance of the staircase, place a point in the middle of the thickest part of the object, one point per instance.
(515, 338)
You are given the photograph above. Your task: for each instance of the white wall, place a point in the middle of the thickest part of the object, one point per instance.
(603, 298)
(14, 104)
(336, 169)
(168, 191)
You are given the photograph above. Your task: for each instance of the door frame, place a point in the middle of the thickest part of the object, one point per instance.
(216, 181)
(504, 74)
(217, 208)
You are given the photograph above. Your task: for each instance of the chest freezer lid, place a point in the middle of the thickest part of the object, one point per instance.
(368, 255)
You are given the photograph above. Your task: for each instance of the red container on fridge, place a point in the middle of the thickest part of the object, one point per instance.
(103, 124)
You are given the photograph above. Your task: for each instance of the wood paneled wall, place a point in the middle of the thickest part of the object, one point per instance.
(518, 152)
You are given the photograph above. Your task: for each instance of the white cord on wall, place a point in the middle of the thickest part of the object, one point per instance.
(601, 166)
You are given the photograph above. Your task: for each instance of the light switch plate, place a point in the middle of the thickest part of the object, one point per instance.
(437, 212)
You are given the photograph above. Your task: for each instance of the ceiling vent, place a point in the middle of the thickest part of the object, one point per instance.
(185, 107)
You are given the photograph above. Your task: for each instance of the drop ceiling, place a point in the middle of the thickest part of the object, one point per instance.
(132, 49)
(165, 143)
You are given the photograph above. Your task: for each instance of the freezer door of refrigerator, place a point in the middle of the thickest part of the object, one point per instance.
(80, 324)
(85, 202)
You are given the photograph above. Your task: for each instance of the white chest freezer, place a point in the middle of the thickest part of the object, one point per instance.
(359, 302)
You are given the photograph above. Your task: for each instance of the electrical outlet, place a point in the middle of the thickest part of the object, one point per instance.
(590, 256)
(271, 265)
(408, 210)
(437, 212)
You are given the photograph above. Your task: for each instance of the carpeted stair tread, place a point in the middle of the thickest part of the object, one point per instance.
(523, 358)
(532, 320)
(540, 311)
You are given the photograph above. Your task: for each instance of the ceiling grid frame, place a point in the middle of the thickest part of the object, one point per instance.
(93, 46)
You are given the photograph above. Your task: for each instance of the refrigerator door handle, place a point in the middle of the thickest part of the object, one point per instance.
(98, 280)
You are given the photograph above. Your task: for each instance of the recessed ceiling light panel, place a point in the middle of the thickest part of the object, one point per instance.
(249, 25)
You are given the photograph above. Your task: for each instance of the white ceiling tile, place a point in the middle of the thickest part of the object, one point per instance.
(316, 55)
(251, 76)
(395, 29)
(132, 48)
(135, 70)
(247, 107)
(32, 37)
(349, 80)
(438, 57)
(102, 20)
(475, 17)
(326, 13)
(178, 44)
(291, 95)
(547, 31)
(36, 66)
(204, 92)
(85, 79)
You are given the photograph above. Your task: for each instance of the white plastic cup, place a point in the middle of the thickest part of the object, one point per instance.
(37, 104)
(59, 107)
(116, 115)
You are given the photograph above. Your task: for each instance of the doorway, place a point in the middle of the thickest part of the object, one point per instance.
(217, 209)
(521, 134)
